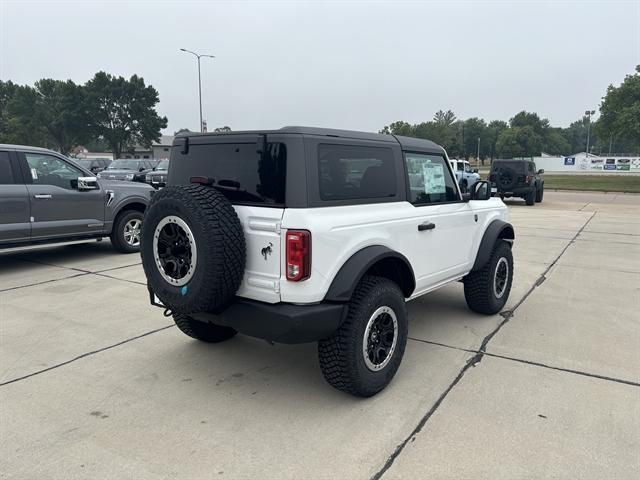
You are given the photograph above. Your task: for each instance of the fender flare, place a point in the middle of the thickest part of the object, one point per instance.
(497, 229)
(352, 271)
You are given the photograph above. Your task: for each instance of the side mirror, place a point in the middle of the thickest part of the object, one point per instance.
(87, 183)
(141, 169)
(541, 171)
(475, 170)
(481, 190)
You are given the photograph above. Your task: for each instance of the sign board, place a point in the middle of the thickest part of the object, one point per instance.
(569, 160)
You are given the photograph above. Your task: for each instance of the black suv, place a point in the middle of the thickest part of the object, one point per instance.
(517, 178)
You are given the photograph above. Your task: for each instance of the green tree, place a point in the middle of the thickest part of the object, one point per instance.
(494, 129)
(61, 111)
(222, 129)
(619, 120)
(398, 128)
(182, 130)
(123, 111)
(475, 128)
(18, 123)
(555, 143)
(519, 142)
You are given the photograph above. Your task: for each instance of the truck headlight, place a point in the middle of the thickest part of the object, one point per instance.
(129, 176)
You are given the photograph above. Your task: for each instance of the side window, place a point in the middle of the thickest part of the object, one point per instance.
(460, 166)
(50, 170)
(6, 173)
(429, 179)
(350, 172)
(467, 168)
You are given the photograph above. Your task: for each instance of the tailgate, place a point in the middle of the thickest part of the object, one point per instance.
(261, 227)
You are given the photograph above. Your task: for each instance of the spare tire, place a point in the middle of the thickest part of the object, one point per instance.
(506, 178)
(193, 249)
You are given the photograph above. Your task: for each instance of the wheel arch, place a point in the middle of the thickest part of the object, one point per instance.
(373, 260)
(497, 230)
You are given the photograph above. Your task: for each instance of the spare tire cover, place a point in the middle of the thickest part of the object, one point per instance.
(506, 178)
(193, 249)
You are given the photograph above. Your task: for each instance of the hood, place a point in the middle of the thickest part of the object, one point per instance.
(120, 173)
(132, 187)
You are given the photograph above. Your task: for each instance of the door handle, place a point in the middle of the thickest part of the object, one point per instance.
(426, 226)
(42, 195)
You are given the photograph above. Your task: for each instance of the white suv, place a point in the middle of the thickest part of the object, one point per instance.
(304, 234)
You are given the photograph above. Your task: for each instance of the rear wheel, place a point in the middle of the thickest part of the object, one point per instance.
(487, 290)
(205, 332)
(530, 198)
(125, 236)
(363, 355)
(540, 193)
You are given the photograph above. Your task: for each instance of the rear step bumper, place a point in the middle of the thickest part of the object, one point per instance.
(280, 322)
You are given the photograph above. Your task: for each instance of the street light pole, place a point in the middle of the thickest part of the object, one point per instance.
(478, 156)
(198, 57)
(588, 113)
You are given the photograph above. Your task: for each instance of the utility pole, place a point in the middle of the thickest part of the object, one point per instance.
(588, 113)
(199, 56)
(478, 156)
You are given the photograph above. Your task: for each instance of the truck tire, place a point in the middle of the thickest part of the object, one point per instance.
(125, 236)
(205, 332)
(363, 355)
(540, 193)
(193, 249)
(530, 198)
(487, 290)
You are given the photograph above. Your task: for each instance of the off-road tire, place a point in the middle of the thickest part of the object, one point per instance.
(341, 355)
(205, 332)
(530, 198)
(478, 286)
(506, 178)
(117, 234)
(540, 193)
(219, 242)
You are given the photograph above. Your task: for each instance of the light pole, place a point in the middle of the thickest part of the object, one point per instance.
(478, 156)
(588, 113)
(198, 56)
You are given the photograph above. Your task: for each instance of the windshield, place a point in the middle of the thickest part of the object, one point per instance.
(123, 165)
(83, 162)
(163, 165)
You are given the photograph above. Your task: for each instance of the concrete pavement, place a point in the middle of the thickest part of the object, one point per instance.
(94, 383)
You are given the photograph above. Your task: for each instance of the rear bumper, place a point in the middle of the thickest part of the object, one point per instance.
(278, 322)
(514, 192)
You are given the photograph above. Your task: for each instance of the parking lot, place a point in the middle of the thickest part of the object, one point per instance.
(95, 383)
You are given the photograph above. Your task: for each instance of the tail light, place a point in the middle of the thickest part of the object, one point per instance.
(527, 179)
(298, 255)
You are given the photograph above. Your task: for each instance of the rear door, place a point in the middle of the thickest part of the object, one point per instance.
(58, 208)
(14, 201)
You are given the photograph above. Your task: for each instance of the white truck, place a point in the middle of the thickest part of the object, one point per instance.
(465, 175)
(305, 234)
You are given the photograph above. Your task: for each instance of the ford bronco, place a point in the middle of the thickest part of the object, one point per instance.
(307, 234)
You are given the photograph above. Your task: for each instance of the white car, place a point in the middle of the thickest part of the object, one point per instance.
(305, 234)
(466, 176)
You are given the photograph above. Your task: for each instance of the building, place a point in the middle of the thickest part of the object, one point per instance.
(158, 151)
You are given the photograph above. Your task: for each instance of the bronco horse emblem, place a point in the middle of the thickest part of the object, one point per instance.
(267, 250)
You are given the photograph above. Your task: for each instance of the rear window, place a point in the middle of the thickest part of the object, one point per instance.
(352, 172)
(239, 171)
(518, 165)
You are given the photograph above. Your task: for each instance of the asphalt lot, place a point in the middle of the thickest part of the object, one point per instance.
(95, 383)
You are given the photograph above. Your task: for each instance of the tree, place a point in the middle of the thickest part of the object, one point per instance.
(620, 113)
(182, 130)
(61, 110)
(493, 131)
(398, 128)
(18, 124)
(123, 111)
(222, 129)
(475, 128)
(519, 142)
(554, 143)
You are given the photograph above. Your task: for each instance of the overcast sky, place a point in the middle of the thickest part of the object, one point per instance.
(351, 64)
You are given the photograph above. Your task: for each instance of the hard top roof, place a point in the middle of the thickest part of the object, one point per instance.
(406, 142)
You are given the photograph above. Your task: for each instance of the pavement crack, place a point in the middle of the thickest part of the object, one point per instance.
(44, 282)
(120, 279)
(507, 315)
(84, 355)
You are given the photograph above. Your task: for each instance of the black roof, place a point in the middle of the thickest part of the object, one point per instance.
(406, 142)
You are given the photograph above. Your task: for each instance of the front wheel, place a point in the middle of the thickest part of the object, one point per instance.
(125, 236)
(363, 355)
(487, 290)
